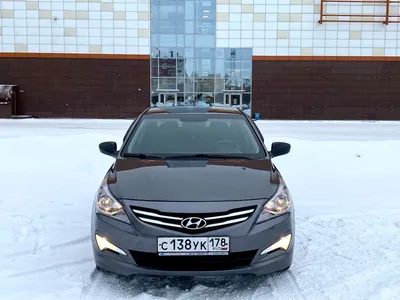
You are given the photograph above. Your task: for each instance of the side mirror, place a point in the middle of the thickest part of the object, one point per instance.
(108, 148)
(279, 148)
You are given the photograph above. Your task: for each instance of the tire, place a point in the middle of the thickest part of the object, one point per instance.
(285, 269)
(101, 270)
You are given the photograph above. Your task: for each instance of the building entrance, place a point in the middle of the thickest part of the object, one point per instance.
(233, 99)
(167, 99)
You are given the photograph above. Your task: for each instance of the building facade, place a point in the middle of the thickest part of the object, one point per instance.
(285, 59)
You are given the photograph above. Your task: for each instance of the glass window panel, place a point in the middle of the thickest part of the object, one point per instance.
(237, 86)
(198, 97)
(236, 66)
(204, 85)
(180, 67)
(154, 40)
(205, 10)
(189, 40)
(204, 67)
(167, 83)
(246, 73)
(219, 68)
(180, 13)
(154, 9)
(246, 100)
(208, 98)
(167, 9)
(154, 84)
(228, 53)
(219, 99)
(203, 99)
(246, 65)
(180, 7)
(154, 52)
(228, 67)
(247, 84)
(189, 10)
(167, 52)
(219, 85)
(247, 54)
(179, 52)
(180, 40)
(189, 52)
(154, 29)
(168, 40)
(189, 85)
(181, 99)
(205, 28)
(207, 13)
(237, 52)
(233, 82)
(189, 27)
(167, 22)
(205, 52)
(180, 84)
(219, 53)
(167, 30)
(167, 68)
(180, 29)
(154, 67)
(227, 84)
(154, 98)
(204, 41)
(189, 99)
(189, 67)
(167, 3)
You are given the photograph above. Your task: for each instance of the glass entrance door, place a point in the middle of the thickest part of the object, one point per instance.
(234, 100)
(167, 99)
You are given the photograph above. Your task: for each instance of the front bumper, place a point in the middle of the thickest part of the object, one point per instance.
(260, 237)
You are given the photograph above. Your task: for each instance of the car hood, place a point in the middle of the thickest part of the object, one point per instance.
(192, 180)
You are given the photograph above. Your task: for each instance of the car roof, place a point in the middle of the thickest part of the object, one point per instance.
(192, 110)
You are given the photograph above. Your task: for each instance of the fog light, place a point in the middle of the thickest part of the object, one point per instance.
(103, 244)
(283, 243)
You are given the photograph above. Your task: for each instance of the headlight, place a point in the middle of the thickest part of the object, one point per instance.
(277, 205)
(109, 206)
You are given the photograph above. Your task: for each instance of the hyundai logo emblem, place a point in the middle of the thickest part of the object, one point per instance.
(193, 223)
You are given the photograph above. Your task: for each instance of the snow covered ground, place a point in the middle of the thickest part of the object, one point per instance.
(344, 177)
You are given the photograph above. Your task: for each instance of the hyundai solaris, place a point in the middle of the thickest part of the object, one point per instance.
(193, 191)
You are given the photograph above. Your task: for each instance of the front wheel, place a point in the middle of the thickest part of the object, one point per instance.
(285, 269)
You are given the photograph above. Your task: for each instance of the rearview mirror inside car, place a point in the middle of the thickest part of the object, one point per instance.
(279, 148)
(108, 148)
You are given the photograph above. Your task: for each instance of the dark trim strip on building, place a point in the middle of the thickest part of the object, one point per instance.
(145, 56)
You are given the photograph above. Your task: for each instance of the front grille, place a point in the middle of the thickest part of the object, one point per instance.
(193, 263)
(213, 221)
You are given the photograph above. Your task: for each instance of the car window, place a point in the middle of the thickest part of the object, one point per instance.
(169, 135)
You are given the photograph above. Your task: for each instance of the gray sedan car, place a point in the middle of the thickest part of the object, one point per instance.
(192, 191)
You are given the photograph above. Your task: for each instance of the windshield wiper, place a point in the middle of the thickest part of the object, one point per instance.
(221, 156)
(142, 156)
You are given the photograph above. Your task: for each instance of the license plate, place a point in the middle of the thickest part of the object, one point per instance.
(193, 246)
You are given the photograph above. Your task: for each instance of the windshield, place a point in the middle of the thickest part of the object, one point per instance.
(193, 134)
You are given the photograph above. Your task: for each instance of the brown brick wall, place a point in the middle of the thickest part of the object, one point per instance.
(79, 88)
(326, 90)
(119, 88)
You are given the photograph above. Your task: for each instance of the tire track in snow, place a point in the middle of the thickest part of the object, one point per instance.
(285, 286)
(102, 285)
(109, 286)
(37, 247)
(49, 268)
